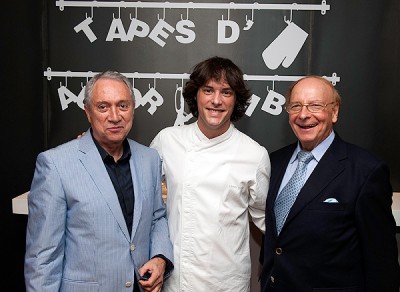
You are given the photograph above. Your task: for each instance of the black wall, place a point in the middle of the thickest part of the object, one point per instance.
(22, 127)
(357, 39)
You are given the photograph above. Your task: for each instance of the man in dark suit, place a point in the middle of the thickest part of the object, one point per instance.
(339, 234)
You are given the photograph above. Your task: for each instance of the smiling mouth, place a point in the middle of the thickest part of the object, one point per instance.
(216, 110)
(307, 126)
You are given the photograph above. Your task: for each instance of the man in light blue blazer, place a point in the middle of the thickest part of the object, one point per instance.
(97, 221)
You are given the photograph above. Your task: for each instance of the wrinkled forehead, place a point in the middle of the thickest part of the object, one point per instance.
(311, 89)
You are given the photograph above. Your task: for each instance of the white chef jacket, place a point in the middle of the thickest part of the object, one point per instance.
(213, 185)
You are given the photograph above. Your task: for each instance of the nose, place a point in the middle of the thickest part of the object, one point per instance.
(114, 114)
(304, 112)
(216, 99)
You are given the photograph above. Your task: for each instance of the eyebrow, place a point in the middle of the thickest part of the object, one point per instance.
(224, 88)
(312, 101)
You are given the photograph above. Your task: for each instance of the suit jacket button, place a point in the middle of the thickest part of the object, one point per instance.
(272, 279)
(128, 284)
(278, 251)
(132, 247)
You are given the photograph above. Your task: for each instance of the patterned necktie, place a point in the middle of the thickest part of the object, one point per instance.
(289, 193)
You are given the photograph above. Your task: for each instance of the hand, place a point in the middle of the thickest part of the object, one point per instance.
(156, 267)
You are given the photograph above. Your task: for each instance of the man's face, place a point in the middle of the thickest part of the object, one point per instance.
(312, 128)
(215, 101)
(110, 112)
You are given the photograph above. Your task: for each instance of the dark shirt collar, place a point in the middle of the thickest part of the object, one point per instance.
(106, 157)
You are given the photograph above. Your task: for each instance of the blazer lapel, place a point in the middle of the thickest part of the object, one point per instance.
(136, 162)
(93, 163)
(280, 162)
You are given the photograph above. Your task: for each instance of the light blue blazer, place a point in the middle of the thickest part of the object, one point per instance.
(77, 239)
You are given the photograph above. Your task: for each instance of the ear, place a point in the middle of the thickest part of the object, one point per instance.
(335, 113)
(87, 112)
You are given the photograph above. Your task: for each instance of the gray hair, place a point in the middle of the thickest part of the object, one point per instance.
(113, 75)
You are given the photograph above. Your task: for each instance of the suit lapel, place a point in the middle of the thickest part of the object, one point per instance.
(94, 165)
(136, 162)
(280, 162)
(329, 167)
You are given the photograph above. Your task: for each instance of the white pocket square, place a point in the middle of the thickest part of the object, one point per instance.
(331, 200)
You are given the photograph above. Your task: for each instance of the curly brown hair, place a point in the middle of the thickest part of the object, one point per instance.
(218, 69)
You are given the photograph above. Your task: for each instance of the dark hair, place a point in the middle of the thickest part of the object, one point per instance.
(106, 75)
(218, 69)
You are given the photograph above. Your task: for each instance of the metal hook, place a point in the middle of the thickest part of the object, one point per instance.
(158, 15)
(273, 86)
(91, 13)
(249, 22)
(119, 13)
(222, 16)
(252, 15)
(291, 16)
(187, 15)
(154, 84)
(177, 85)
(130, 15)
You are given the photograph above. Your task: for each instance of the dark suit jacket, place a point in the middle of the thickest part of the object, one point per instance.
(344, 246)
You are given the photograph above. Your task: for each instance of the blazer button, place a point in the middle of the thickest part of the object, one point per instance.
(272, 279)
(278, 251)
(132, 247)
(128, 284)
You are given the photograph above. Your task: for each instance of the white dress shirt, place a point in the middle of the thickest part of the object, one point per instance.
(213, 185)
